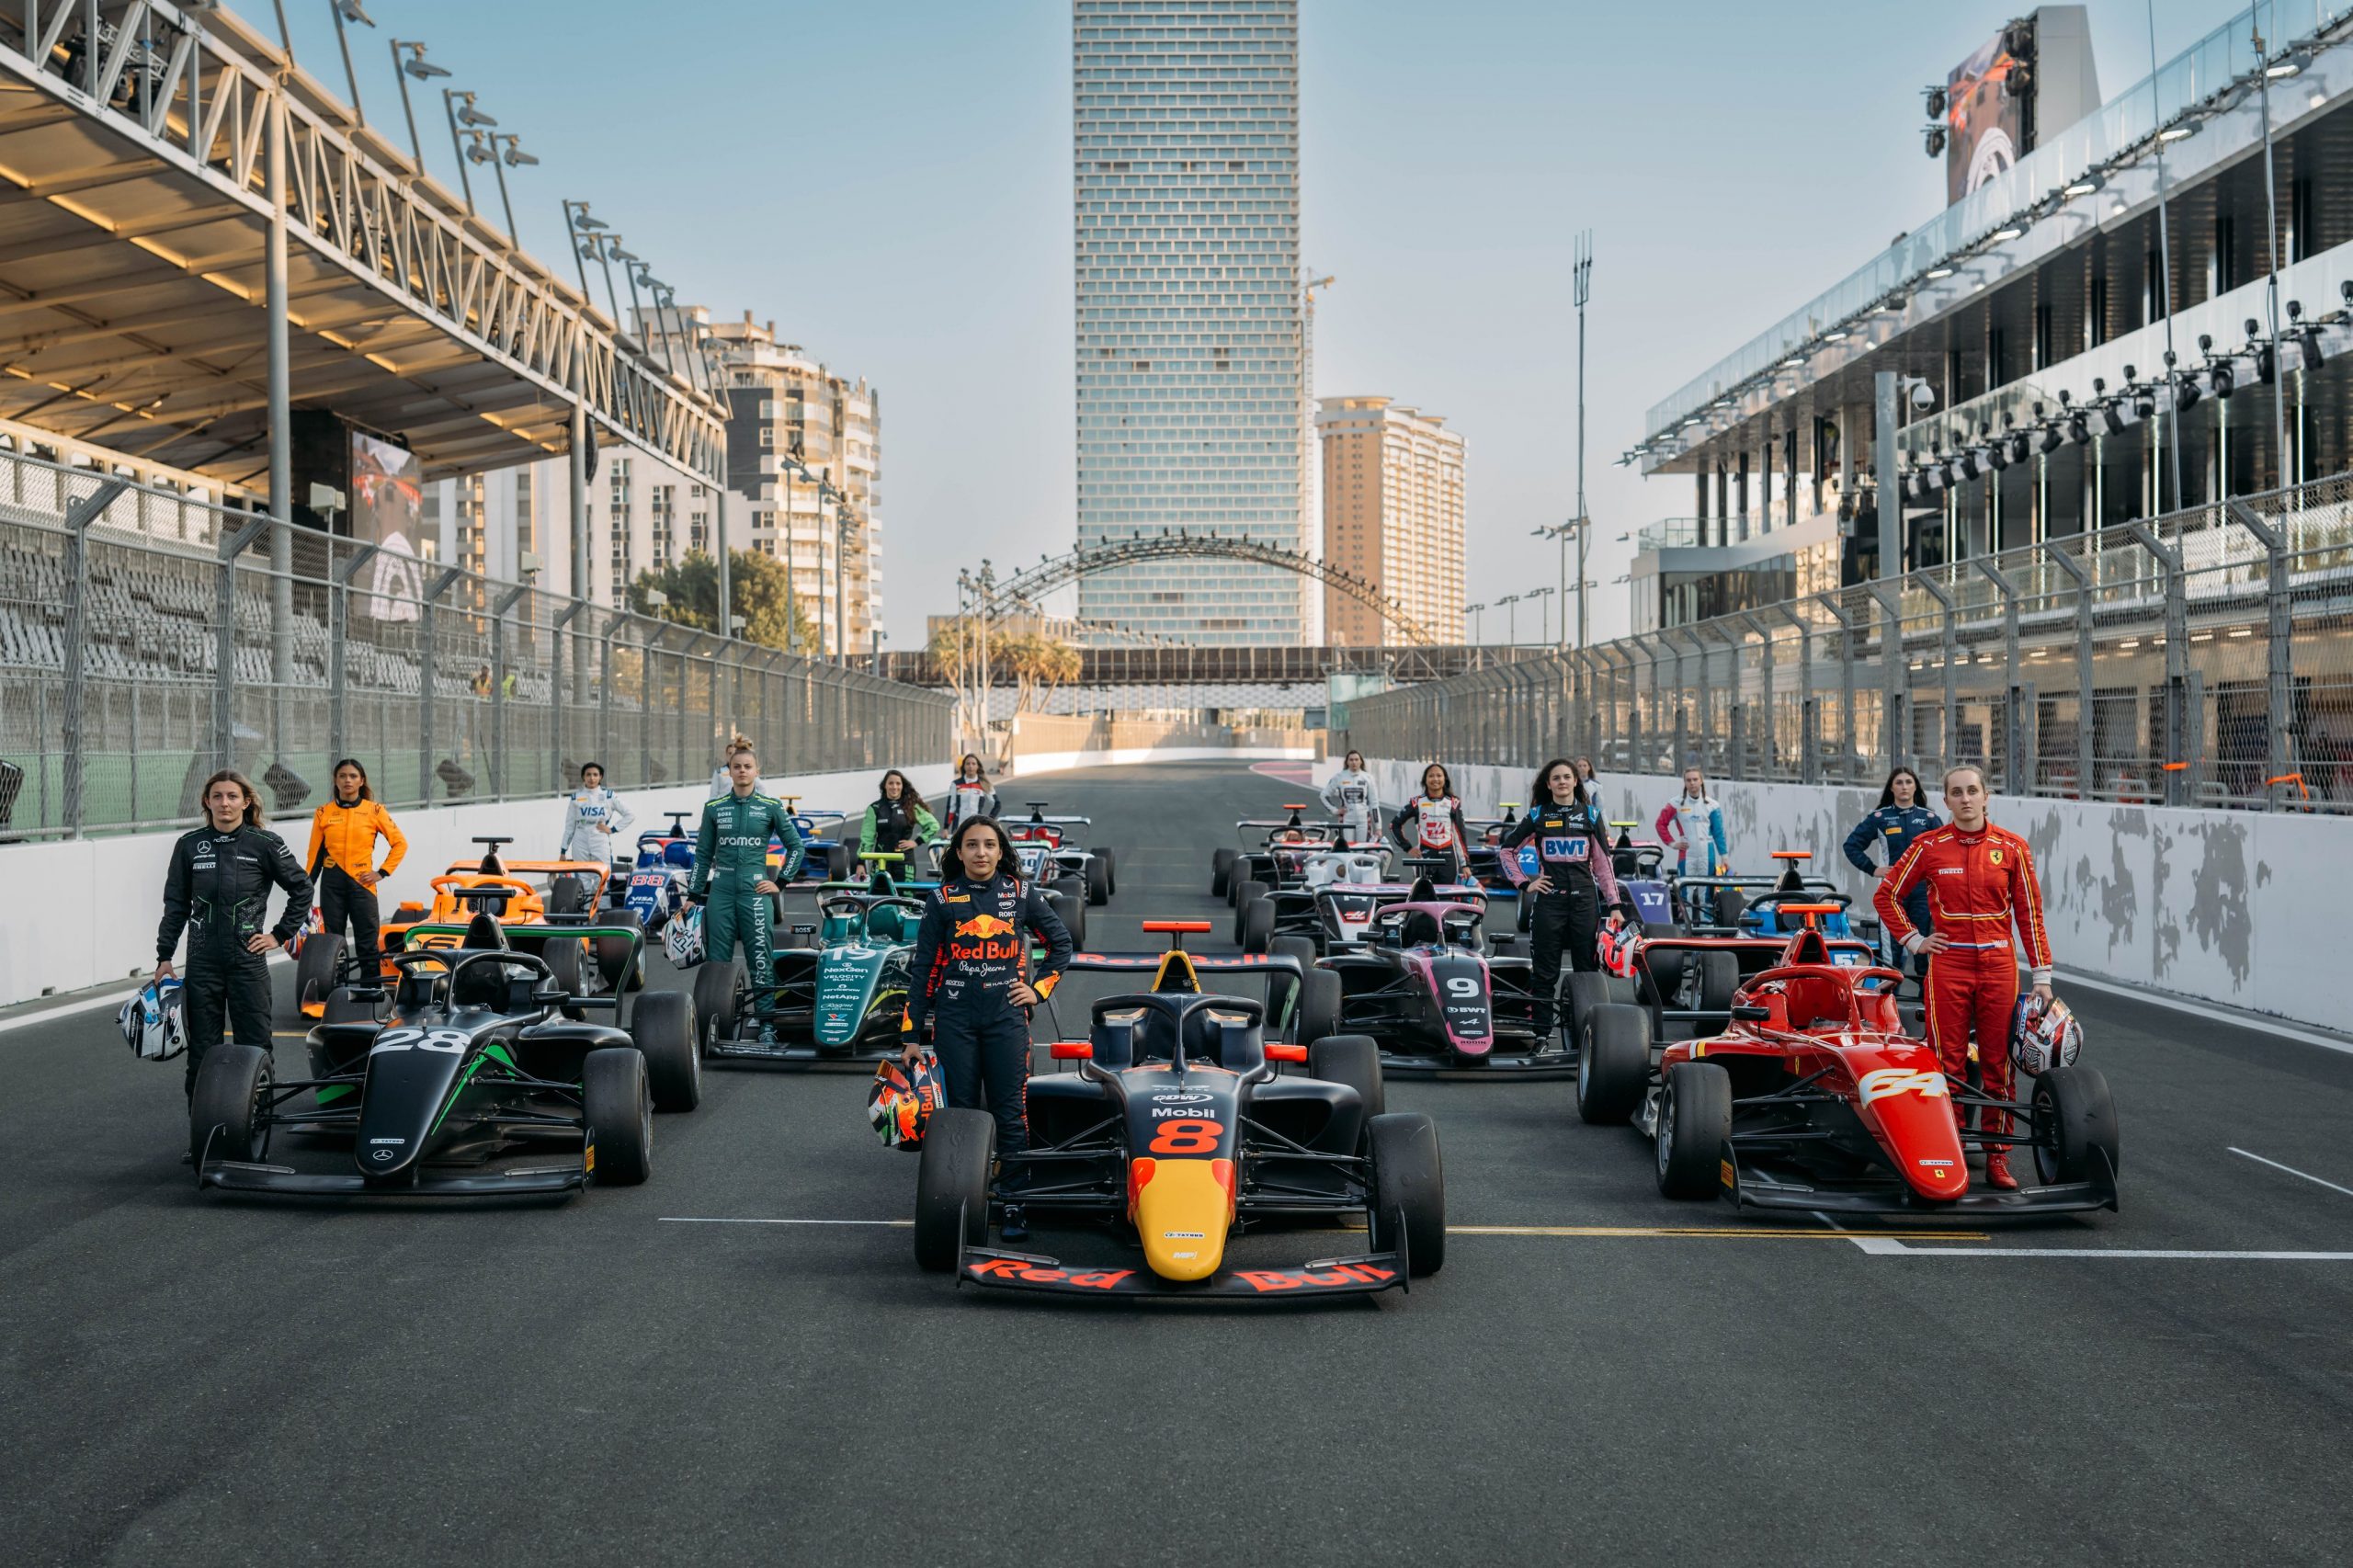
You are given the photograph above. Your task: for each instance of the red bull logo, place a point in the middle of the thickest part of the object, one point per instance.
(984, 926)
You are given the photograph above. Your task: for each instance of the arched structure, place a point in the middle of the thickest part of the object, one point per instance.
(1033, 582)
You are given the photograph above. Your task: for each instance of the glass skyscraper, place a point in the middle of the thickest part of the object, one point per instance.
(1186, 150)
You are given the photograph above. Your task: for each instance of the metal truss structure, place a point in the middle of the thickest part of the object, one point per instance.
(1013, 594)
(137, 188)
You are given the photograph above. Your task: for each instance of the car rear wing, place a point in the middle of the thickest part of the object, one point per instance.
(444, 933)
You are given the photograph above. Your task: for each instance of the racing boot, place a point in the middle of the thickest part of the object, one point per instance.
(1015, 1225)
(1998, 1172)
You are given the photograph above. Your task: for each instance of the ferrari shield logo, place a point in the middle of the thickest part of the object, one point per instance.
(1995, 857)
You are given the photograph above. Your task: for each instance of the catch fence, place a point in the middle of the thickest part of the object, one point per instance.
(2202, 658)
(145, 639)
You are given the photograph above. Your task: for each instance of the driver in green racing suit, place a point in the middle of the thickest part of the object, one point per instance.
(732, 867)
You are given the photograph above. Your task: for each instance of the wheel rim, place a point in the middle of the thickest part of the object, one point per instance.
(1666, 1130)
(1584, 1077)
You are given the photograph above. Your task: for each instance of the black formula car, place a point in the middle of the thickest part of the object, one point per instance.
(1430, 985)
(474, 1055)
(1178, 1130)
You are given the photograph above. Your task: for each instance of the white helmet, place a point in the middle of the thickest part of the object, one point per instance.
(682, 938)
(152, 1021)
(2044, 1035)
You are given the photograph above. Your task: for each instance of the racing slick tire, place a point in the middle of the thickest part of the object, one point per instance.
(2075, 1124)
(663, 1024)
(1098, 879)
(1408, 1182)
(617, 1106)
(343, 1007)
(1719, 978)
(1614, 1068)
(1221, 873)
(1244, 891)
(1353, 1060)
(566, 895)
(1073, 915)
(839, 860)
(1318, 1012)
(1694, 1124)
(1730, 906)
(612, 953)
(1254, 927)
(1297, 947)
(314, 971)
(563, 966)
(229, 1107)
(1588, 989)
(717, 988)
(1071, 887)
(1111, 873)
(952, 1185)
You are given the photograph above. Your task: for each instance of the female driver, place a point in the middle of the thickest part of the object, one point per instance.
(342, 860)
(217, 889)
(1431, 822)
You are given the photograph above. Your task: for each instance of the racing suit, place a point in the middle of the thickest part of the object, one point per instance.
(970, 798)
(1979, 885)
(1427, 825)
(1894, 827)
(1574, 852)
(591, 817)
(1695, 822)
(890, 823)
(973, 944)
(343, 849)
(1349, 796)
(731, 861)
(217, 889)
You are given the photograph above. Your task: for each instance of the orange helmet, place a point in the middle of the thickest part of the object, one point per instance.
(902, 1098)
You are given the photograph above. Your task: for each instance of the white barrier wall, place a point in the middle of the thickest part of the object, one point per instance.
(1062, 761)
(85, 912)
(2235, 907)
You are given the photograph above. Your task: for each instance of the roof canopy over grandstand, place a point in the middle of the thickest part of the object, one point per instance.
(134, 217)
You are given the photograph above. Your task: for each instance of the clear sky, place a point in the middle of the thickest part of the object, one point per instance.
(889, 182)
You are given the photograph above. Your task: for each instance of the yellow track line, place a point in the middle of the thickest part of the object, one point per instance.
(1728, 1232)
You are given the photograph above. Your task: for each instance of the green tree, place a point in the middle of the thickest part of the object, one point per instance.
(757, 583)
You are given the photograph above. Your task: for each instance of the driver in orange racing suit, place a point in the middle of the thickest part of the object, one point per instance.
(1981, 882)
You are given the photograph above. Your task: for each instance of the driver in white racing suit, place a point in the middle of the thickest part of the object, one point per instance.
(592, 815)
(1349, 796)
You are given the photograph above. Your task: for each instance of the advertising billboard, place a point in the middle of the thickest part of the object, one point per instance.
(387, 500)
(1989, 121)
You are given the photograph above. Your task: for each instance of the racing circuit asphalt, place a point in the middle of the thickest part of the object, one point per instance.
(191, 1381)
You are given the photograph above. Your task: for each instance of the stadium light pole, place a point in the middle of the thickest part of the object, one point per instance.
(2164, 240)
(473, 117)
(1582, 286)
(423, 70)
(2271, 242)
(349, 11)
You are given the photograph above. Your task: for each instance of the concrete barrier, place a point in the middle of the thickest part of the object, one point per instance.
(2231, 907)
(1062, 761)
(84, 912)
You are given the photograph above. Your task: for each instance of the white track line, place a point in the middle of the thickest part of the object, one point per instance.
(1902, 1249)
(707, 1219)
(2254, 1021)
(111, 996)
(2246, 1154)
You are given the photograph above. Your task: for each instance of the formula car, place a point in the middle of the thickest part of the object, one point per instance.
(839, 1000)
(653, 882)
(542, 901)
(1274, 854)
(1050, 854)
(1814, 1099)
(1336, 914)
(475, 1051)
(1424, 984)
(1178, 1129)
(828, 842)
(1636, 863)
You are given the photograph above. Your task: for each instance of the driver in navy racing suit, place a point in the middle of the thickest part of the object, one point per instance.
(1573, 884)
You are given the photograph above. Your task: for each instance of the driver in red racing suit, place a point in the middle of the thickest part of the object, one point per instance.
(1980, 879)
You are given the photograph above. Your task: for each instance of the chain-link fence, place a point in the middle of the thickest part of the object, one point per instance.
(2201, 658)
(145, 640)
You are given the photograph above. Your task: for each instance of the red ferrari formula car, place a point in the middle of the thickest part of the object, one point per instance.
(1815, 1098)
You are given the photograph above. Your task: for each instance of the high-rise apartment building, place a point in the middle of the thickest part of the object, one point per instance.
(1392, 515)
(644, 515)
(1185, 153)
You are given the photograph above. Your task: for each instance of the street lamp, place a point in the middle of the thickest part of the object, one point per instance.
(1474, 614)
(1510, 603)
(1582, 526)
(1544, 610)
(423, 70)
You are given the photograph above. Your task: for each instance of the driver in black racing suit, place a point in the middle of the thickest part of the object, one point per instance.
(1574, 881)
(971, 980)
